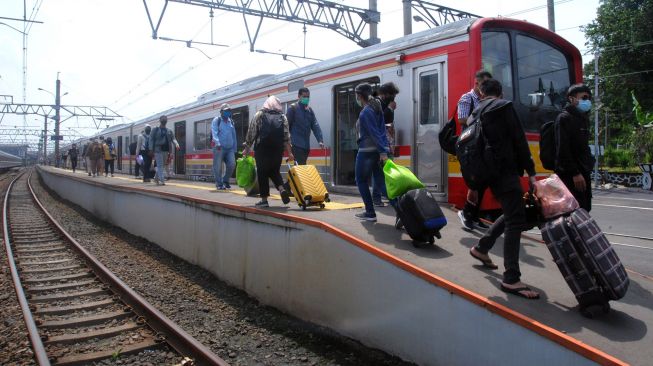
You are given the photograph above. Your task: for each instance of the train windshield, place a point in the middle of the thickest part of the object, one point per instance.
(535, 75)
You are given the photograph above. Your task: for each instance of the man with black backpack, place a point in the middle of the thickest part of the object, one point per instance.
(268, 132)
(161, 143)
(466, 104)
(494, 152)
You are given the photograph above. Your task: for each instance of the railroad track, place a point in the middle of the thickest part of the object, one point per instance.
(76, 311)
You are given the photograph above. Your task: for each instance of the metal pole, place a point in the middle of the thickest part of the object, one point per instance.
(408, 17)
(597, 100)
(373, 25)
(605, 142)
(551, 13)
(45, 141)
(57, 119)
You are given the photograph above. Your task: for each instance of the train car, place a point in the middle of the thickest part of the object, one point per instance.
(8, 161)
(432, 70)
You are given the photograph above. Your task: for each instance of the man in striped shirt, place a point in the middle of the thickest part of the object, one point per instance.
(466, 104)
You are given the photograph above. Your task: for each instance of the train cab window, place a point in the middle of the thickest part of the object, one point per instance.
(429, 99)
(496, 58)
(202, 135)
(543, 73)
(240, 117)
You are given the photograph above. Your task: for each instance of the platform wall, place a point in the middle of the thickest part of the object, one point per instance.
(320, 277)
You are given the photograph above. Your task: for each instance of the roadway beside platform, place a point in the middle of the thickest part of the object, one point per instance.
(623, 333)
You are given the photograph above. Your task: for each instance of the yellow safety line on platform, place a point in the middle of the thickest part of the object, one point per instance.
(328, 205)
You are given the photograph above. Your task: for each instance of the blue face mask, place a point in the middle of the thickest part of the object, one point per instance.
(584, 105)
(226, 114)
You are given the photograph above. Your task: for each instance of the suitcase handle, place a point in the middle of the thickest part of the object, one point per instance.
(288, 163)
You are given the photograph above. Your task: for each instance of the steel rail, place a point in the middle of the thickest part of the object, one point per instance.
(176, 337)
(32, 331)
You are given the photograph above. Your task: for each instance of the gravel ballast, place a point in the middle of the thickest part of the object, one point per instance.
(232, 324)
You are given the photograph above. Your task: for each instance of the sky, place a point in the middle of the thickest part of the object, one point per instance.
(104, 53)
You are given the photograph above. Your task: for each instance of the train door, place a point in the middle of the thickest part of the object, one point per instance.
(346, 114)
(119, 154)
(429, 115)
(180, 160)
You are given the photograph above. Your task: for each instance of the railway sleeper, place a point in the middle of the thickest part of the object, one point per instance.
(61, 310)
(47, 270)
(58, 278)
(47, 249)
(100, 333)
(86, 320)
(70, 295)
(87, 358)
(63, 286)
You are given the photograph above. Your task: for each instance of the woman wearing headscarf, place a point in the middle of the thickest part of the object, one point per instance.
(268, 132)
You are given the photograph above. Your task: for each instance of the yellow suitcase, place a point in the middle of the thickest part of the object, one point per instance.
(307, 186)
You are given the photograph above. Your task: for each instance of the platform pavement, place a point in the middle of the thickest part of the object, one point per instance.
(623, 333)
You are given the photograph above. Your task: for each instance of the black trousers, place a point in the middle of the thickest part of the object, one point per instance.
(73, 163)
(147, 164)
(109, 164)
(508, 192)
(301, 155)
(268, 164)
(584, 198)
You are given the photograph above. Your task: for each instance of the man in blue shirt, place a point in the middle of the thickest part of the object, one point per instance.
(224, 147)
(301, 121)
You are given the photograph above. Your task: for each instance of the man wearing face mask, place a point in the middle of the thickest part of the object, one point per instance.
(574, 161)
(224, 147)
(302, 121)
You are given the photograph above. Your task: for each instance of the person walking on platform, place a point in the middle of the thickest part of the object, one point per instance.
(469, 215)
(268, 132)
(574, 161)
(224, 147)
(373, 147)
(387, 94)
(301, 121)
(64, 160)
(142, 148)
(96, 157)
(504, 133)
(73, 152)
(161, 143)
(85, 156)
(109, 152)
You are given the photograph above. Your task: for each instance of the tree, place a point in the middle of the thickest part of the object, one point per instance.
(622, 33)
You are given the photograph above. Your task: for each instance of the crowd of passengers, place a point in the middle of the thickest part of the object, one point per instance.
(291, 132)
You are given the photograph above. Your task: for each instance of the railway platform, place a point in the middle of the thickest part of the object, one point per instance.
(433, 297)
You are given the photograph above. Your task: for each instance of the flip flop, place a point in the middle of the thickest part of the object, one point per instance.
(487, 263)
(517, 291)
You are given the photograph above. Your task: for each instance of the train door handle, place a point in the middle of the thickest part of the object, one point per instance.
(419, 143)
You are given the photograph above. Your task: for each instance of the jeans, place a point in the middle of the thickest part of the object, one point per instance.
(109, 164)
(160, 158)
(301, 155)
(368, 166)
(228, 156)
(509, 194)
(73, 163)
(268, 164)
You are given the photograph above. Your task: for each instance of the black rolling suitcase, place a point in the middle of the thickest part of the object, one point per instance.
(420, 215)
(586, 260)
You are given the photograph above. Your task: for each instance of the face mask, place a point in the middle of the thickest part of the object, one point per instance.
(226, 114)
(584, 105)
(304, 100)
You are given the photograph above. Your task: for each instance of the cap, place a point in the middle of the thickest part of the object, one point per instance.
(363, 89)
(224, 107)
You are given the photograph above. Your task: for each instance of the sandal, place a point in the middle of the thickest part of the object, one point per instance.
(487, 263)
(518, 291)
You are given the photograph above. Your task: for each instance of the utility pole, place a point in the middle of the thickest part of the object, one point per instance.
(597, 100)
(551, 13)
(373, 25)
(45, 140)
(408, 17)
(57, 119)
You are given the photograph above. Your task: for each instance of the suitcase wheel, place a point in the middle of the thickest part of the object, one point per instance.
(303, 207)
(432, 240)
(593, 311)
(322, 205)
(438, 235)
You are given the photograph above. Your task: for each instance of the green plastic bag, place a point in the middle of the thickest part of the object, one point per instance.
(399, 179)
(245, 171)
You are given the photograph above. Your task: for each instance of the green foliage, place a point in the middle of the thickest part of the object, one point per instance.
(643, 118)
(622, 158)
(642, 137)
(622, 32)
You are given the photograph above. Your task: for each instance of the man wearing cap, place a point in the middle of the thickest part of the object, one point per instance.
(301, 120)
(224, 147)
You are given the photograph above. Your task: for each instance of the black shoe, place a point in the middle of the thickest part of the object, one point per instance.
(285, 197)
(481, 225)
(465, 222)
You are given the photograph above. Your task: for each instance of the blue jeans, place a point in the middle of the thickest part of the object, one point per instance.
(228, 156)
(160, 158)
(368, 166)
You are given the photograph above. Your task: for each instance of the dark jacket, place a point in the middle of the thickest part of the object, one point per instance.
(371, 128)
(301, 121)
(573, 152)
(505, 134)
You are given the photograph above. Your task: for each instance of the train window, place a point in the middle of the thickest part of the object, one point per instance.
(496, 58)
(429, 99)
(543, 73)
(240, 117)
(203, 134)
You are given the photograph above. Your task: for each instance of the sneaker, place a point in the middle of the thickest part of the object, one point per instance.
(398, 224)
(379, 204)
(220, 188)
(285, 197)
(366, 217)
(261, 204)
(156, 180)
(467, 224)
(481, 225)
(227, 186)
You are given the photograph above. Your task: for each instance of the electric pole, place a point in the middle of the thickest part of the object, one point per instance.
(408, 17)
(57, 119)
(551, 13)
(597, 100)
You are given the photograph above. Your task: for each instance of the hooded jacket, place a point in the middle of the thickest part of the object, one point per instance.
(371, 128)
(573, 152)
(505, 134)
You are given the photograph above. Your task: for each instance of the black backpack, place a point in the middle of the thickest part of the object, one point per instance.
(271, 133)
(548, 144)
(476, 156)
(132, 148)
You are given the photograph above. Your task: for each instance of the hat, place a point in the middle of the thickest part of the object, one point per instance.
(364, 89)
(224, 107)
